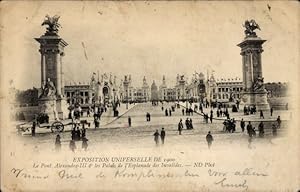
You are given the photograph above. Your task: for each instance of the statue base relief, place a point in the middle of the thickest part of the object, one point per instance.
(62, 108)
(258, 99)
(47, 105)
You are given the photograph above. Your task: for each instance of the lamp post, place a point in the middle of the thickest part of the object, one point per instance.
(126, 83)
(127, 97)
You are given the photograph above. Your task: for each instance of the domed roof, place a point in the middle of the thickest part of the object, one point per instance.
(153, 86)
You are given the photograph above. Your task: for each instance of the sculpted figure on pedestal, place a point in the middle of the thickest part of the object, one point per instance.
(52, 23)
(250, 27)
(258, 84)
(49, 89)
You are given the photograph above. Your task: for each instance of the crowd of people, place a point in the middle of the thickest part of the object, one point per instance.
(79, 134)
(229, 123)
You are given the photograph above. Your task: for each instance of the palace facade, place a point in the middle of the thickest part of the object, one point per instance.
(105, 90)
(101, 91)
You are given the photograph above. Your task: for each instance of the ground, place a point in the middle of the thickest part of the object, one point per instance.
(115, 133)
(181, 154)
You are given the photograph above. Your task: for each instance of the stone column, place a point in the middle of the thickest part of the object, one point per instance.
(58, 75)
(43, 69)
(62, 75)
(52, 50)
(251, 49)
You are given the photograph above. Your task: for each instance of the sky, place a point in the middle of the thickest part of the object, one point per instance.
(149, 39)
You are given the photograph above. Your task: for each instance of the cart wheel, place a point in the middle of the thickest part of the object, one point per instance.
(57, 127)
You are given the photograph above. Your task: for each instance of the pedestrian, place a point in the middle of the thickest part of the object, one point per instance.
(206, 118)
(261, 129)
(33, 128)
(218, 113)
(182, 111)
(249, 128)
(243, 125)
(271, 111)
(261, 114)
(78, 134)
(96, 122)
(149, 117)
(209, 139)
(187, 123)
(191, 123)
(170, 112)
(83, 131)
(180, 126)
(162, 108)
(233, 125)
(84, 143)
(278, 121)
(129, 121)
(274, 130)
(162, 135)
(57, 143)
(88, 113)
(72, 145)
(166, 112)
(211, 118)
(73, 134)
(156, 135)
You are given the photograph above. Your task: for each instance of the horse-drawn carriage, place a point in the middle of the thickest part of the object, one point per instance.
(55, 126)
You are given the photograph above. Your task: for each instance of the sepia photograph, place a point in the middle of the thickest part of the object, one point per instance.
(149, 96)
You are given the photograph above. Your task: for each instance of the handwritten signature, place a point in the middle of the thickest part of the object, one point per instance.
(222, 178)
(22, 173)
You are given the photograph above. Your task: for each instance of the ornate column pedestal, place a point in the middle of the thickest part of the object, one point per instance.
(47, 105)
(52, 100)
(254, 92)
(62, 108)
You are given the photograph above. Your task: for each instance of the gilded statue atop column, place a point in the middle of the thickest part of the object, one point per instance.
(52, 23)
(250, 27)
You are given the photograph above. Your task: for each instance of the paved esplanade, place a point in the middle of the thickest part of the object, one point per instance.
(118, 134)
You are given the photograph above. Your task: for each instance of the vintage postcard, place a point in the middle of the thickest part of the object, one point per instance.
(149, 96)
